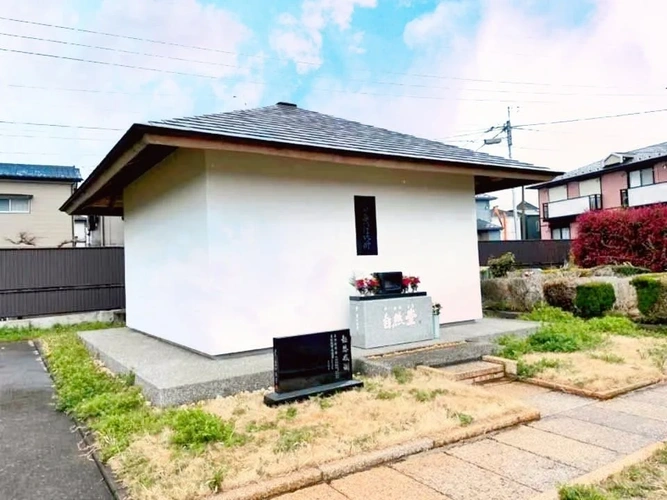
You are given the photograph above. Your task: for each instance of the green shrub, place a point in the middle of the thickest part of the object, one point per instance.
(402, 374)
(560, 293)
(500, 266)
(594, 299)
(512, 347)
(548, 314)
(652, 297)
(193, 428)
(629, 270)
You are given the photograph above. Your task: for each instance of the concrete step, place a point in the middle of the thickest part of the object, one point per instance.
(475, 372)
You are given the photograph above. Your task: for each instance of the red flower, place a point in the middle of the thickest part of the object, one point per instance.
(414, 280)
(406, 281)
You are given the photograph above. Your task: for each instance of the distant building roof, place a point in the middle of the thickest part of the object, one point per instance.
(485, 197)
(656, 151)
(483, 225)
(39, 172)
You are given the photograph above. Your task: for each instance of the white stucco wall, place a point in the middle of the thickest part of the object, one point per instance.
(224, 258)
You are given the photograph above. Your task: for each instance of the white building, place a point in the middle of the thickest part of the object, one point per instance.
(244, 226)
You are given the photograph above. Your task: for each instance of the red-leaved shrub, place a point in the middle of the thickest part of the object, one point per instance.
(635, 235)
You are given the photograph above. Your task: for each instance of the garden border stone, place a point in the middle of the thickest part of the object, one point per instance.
(350, 465)
(599, 475)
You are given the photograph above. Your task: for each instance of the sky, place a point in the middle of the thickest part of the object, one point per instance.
(77, 74)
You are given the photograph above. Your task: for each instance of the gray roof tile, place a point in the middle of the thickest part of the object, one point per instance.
(641, 154)
(483, 225)
(287, 124)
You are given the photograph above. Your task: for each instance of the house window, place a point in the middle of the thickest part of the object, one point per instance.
(643, 177)
(558, 193)
(14, 205)
(366, 225)
(560, 233)
(589, 187)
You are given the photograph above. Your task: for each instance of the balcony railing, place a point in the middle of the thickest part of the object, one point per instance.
(571, 206)
(644, 195)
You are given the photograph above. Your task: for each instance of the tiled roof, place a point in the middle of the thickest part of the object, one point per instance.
(641, 154)
(485, 197)
(39, 172)
(287, 124)
(483, 225)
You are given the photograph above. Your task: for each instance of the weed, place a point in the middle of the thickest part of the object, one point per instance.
(464, 419)
(292, 439)
(616, 325)
(658, 356)
(564, 337)
(364, 442)
(512, 347)
(402, 375)
(17, 333)
(254, 426)
(581, 492)
(323, 402)
(215, 482)
(239, 410)
(424, 396)
(530, 370)
(548, 314)
(194, 428)
(386, 395)
(288, 413)
(110, 403)
(607, 357)
(115, 431)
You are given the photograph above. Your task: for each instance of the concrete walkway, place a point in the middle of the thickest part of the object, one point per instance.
(574, 436)
(39, 454)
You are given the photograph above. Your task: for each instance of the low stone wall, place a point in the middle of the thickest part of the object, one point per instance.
(523, 293)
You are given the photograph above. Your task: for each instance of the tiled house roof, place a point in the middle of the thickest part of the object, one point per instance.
(22, 171)
(483, 225)
(655, 151)
(287, 124)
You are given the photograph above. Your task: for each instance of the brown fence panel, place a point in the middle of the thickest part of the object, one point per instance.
(39, 281)
(527, 252)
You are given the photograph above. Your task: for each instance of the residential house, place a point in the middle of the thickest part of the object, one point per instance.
(487, 227)
(248, 225)
(532, 226)
(105, 231)
(30, 197)
(630, 179)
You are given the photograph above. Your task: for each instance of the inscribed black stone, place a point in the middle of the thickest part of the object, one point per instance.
(366, 225)
(306, 361)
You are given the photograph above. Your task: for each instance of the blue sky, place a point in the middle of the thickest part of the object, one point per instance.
(445, 70)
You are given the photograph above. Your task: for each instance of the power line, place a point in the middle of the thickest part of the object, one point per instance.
(92, 91)
(557, 122)
(45, 154)
(313, 63)
(59, 125)
(54, 137)
(374, 82)
(106, 63)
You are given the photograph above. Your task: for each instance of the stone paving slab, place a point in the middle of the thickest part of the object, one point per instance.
(654, 397)
(318, 492)
(556, 447)
(460, 480)
(550, 403)
(638, 408)
(516, 390)
(518, 465)
(384, 483)
(599, 435)
(653, 429)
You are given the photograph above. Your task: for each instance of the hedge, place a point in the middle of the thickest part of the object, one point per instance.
(561, 293)
(652, 297)
(637, 236)
(594, 299)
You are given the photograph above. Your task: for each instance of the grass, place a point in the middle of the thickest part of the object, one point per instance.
(599, 354)
(19, 333)
(189, 452)
(646, 480)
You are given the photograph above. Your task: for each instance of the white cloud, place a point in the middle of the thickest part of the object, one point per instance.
(586, 65)
(122, 96)
(300, 41)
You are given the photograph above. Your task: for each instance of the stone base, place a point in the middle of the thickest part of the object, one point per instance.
(390, 321)
(276, 398)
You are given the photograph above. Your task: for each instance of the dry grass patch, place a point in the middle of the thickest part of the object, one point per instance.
(276, 441)
(618, 362)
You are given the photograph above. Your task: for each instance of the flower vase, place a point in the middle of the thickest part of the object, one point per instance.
(436, 326)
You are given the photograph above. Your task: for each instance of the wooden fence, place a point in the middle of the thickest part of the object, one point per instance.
(43, 281)
(528, 253)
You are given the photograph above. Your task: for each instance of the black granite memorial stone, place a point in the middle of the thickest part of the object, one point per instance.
(308, 365)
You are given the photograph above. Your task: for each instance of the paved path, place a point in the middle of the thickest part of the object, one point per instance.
(39, 455)
(574, 436)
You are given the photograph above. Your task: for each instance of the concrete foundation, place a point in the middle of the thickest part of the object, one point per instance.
(66, 319)
(170, 375)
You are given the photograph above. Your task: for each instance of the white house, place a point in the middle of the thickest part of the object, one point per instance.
(241, 226)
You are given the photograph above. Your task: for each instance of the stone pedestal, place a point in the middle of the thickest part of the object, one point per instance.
(383, 320)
